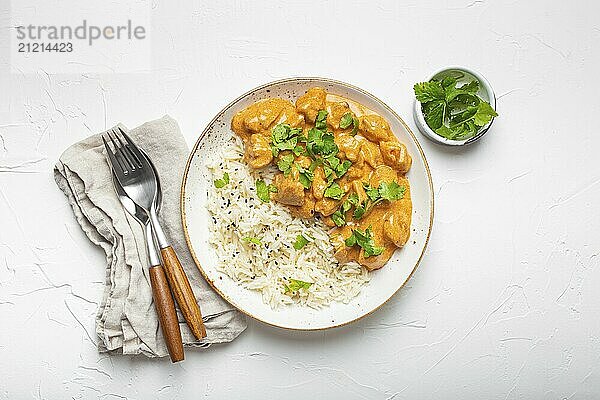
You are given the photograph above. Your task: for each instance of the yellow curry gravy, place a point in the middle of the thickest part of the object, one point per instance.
(376, 156)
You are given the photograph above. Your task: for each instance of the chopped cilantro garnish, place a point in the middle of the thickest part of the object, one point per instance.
(338, 218)
(284, 137)
(359, 211)
(305, 176)
(321, 120)
(355, 128)
(346, 120)
(334, 191)
(251, 239)
(285, 164)
(262, 191)
(219, 183)
(365, 241)
(296, 285)
(342, 168)
(300, 242)
(391, 191)
(346, 206)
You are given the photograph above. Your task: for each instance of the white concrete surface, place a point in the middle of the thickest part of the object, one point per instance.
(505, 303)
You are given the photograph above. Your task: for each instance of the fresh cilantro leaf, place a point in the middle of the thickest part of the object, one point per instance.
(391, 191)
(334, 191)
(300, 242)
(446, 132)
(329, 147)
(434, 113)
(484, 114)
(353, 199)
(272, 188)
(471, 87)
(429, 91)
(351, 240)
(280, 133)
(355, 126)
(262, 191)
(284, 137)
(298, 150)
(253, 240)
(342, 168)
(329, 174)
(306, 176)
(365, 241)
(219, 183)
(359, 211)
(346, 120)
(333, 161)
(338, 218)
(346, 206)
(372, 193)
(448, 81)
(321, 120)
(285, 164)
(296, 285)
(460, 103)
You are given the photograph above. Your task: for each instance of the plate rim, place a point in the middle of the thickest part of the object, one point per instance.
(225, 109)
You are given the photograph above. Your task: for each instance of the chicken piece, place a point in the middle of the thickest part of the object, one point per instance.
(306, 210)
(396, 225)
(396, 156)
(319, 183)
(370, 153)
(374, 128)
(349, 146)
(335, 111)
(343, 253)
(261, 116)
(327, 206)
(258, 151)
(311, 103)
(382, 173)
(289, 190)
(375, 262)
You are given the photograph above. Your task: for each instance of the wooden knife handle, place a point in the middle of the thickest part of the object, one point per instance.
(167, 315)
(183, 292)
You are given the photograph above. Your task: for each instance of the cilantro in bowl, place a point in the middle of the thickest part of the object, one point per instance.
(451, 109)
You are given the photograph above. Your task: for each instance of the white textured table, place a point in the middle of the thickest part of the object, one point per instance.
(505, 304)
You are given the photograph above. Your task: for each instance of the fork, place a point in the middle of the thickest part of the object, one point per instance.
(160, 288)
(139, 179)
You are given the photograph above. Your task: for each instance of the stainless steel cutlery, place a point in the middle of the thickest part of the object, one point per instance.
(138, 187)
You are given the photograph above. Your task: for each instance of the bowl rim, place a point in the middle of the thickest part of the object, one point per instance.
(233, 103)
(430, 134)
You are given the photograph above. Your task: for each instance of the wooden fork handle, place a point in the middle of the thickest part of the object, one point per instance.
(167, 315)
(183, 292)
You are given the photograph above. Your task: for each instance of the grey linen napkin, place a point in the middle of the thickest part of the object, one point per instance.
(126, 321)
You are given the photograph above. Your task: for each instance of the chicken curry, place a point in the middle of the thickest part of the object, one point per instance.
(338, 161)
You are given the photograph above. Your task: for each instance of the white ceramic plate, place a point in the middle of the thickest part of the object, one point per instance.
(384, 282)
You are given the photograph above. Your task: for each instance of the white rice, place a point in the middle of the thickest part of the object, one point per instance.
(238, 213)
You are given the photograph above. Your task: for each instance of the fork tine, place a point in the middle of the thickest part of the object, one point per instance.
(114, 162)
(123, 146)
(119, 153)
(134, 148)
(131, 147)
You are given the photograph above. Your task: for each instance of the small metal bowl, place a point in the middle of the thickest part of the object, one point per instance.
(485, 92)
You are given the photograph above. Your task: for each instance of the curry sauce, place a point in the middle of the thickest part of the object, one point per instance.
(338, 161)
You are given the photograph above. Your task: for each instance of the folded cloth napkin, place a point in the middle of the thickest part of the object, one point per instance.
(126, 321)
